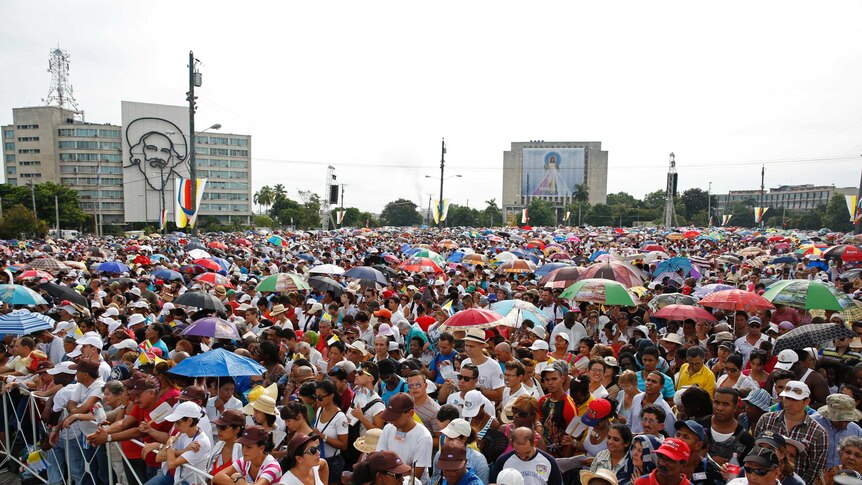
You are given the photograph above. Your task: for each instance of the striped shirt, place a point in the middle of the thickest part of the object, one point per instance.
(809, 433)
(269, 469)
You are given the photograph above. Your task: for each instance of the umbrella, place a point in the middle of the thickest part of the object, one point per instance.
(474, 259)
(218, 363)
(386, 270)
(427, 253)
(851, 313)
(737, 300)
(703, 291)
(561, 278)
(560, 256)
(282, 282)
(516, 266)
(217, 245)
(199, 254)
(728, 259)
(20, 295)
(50, 265)
(167, 275)
(199, 299)
(112, 267)
(367, 275)
(623, 273)
(684, 312)
(277, 240)
(420, 265)
(673, 265)
(326, 269)
(208, 264)
(666, 299)
(142, 260)
(783, 260)
(852, 274)
(596, 290)
(323, 284)
(844, 252)
(654, 247)
(812, 335)
(194, 245)
(803, 294)
(212, 327)
(214, 279)
(516, 311)
(35, 274)
(546, 269)
(24, 322)
(474, 318)
(63, 292)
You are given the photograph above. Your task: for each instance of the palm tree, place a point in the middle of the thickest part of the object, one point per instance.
(279, 192)
(265, 196)
(581, 195)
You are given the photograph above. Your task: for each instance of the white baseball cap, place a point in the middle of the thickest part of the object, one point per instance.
(91, 340)
(74, 353)
(796, 390)
(136, 319)
(111, 312)
(128, 343)
(786, 359)
(540, 345)
(186, 409)
(456, 428)
(62, 368)
(473, 401)
(66, 325)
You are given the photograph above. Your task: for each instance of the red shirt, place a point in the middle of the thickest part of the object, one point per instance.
(651, 480)
(132, 450)
(425, 321)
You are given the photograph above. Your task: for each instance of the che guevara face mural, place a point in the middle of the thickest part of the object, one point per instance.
(157, 148)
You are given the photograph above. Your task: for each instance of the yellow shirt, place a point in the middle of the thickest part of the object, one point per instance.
(704, 379)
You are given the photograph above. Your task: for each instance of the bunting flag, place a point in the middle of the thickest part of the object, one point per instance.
(759, 212)
(709, 223)
(725, 219)
(854, 207)
(185, 213)
(566, 217)
(339, 216)
(524, 216)
(448, 308)
(435, 210)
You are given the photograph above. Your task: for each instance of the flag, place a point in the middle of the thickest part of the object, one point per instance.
(759, 212)
(854, 207)
(186, 215)
(566, 217)
(725, 219)
(524, 216)
(436, 212)
(709, 223)
(163, 218)
(448, 308)
(339, 216)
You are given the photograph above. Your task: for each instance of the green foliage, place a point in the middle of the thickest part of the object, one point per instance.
(622, 199)
(263, 220)
(288, 212)
(353, 217)
(541, 213)
(401, 212)
(743, 215)
(265, 196)
(71, 214)
(837, 217)
(582, 193)
(600, 215)
(694, 200)
(654, 200)
(491, 216)
(20, 223)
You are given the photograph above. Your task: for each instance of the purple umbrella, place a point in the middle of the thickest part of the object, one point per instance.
(212, 327)
(702, 291)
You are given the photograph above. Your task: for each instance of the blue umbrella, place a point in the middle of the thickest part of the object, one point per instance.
(218, 363)
(516, 311)
(673, 265)
(223, 263)
(24, 322)
(20, 295)
(405, 247)
(821, 265)
(306, 257)
(596, 255)
(533, 258)
(366, 274)
(547, 268)
(158, 257)
(167, 275)
(783, 259)
(412, 251)
(456, 257)
(112, 267)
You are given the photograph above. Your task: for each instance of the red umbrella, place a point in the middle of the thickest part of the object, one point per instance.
(691, 234)
(560, 256)
(208, 264)
(242, 242)
(421, 265)
(36, 274)
(615, 271)
(845, 252)
(561, 278)
(141, 259)
(535, 243)
(654, 247)
(214, 279)
(217, 245)
(474, 317)
(684, 312)
(775, 239)
(737, 300)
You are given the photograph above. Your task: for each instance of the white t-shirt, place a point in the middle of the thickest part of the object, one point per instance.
(361, 398)
(576, 333)
(490, 374)
(80, 395)
(61, 398)
(508, 395)
(331, 429)
(290, 479)
(198, 459)
(414, 446)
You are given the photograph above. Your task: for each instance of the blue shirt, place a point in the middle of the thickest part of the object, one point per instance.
(835, 437)
(476, 464)
(469, 478)
(668, 391)
(386, 394)
(438, 357)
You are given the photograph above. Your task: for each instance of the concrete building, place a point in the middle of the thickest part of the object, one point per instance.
(551, 171)
(792, 197)
(51, 144)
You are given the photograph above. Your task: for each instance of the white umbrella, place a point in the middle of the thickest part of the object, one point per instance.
(199, 254)
(327, 269)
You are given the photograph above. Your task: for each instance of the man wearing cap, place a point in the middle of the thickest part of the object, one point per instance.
(672, 456)
(801, 364)
(64, 376)
(556, 409)
(540, 350)
(91, 348)
(453, 465)
(794, 423)
(403, 435)
(51, 343)
(490, 380)
(699, 469)
(536, 466)
(838, 417)
(752, 339)
(459, 430)
(761, 468)
(571, 327)
(187, 446)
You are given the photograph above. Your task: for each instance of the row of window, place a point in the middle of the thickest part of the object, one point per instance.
(29, 162)
(89, 132)
(90, 157)
(210, 162)
(86, 205)
(8, 134)
(225, 207)
(29, 150)
(222, 174)
(227, 185)
(107, 194)
(90, 145)
(91, 169)
(10, 158)
(30, 175)
(28, 138)
(224, 196)
(224, 152)
(90, 181)
(27, 127)
(221, 140)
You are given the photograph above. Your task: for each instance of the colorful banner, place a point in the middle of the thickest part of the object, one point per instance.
(759, 212)
(725, 219)
(185, 213)
(566, 217)
(339, 216)
(524, 216)
(854, 207)
(435, 211)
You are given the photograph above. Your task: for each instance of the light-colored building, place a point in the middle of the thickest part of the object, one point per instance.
(51, 144)
(792, 197)
(552, 171)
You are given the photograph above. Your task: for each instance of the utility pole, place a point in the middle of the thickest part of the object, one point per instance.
(57, 213)
(762, 194)
(428, 214)
(342, 195)
(858, 229)
(1, 207)
(442, 167)
(670, 192)
(33, 196)
(709, 205)
(98, 214)
(194, 81)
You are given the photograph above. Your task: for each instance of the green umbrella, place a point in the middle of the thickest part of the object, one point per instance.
(806, 294)
(597, 290)
(282, 282)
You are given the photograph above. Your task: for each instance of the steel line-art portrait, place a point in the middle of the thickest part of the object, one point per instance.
(156, 147)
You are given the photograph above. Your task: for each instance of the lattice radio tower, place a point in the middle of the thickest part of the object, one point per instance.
(61, 93)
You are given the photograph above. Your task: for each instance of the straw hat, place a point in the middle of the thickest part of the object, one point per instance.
(368, 442)
(265, 403)
(601, 474)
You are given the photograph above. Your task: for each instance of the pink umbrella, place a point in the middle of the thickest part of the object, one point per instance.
(684, 312)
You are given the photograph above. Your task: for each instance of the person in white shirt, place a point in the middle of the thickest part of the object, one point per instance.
(403, 435)
(573, 328)
(85, 410)
(490, 380)
(514, 376)
(222, 399)
(190, 445)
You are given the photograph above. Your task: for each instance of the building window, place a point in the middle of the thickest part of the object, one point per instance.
(29, 162)
(90, 157)
(11, 170)
(239, 153)
(10, 158)
(28, 138)
(8, 134)
(9, 146)
(238, 164)
(109, 133)
(29, 150)
(12, 182)
(27, 127)
(109, 145)
(31, 175)
(80, 145)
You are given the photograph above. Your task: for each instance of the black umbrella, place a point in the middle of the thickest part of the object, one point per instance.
(322, 283)
(386, 270)
(62, 292)
(811, 335)
(194, 245)
(199, 299)
(366, 274)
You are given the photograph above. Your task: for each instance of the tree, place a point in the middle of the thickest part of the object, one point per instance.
(622, 199)
(401, 212)
(462, 216)
(20, 223)
(837, 217)
(811, 220)
(265, 196)
(491, 215)
(695, 200)
(655, 200)
(262, 220)
(71, 214)
(582, 193)
(278, 192)
(742, 215)
(541, 213)
(600, 215)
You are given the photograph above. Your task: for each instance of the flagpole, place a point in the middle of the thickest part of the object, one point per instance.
(858, 229)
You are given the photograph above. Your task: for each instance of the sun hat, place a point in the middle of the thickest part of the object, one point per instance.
(475, 335)
(759, 398)
(278, 310)
(385, 330)
(265, 403)
(367, 443)
(91, 340)
(66, 325)
(601, 474)
(847, 476)
(230, 417)
(510, 476)
(539, 332)
(507, 415)
(62, 368)
(673, 338)
(136, 319)
(840, 407)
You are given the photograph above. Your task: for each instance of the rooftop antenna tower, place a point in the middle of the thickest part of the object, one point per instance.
(60, 94)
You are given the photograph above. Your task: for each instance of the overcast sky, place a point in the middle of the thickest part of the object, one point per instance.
(371, 87)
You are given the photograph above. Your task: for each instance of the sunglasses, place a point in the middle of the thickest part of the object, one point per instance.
(465, 378)
(312, 451)
(760, 472)
(398, 476)
(321, 398)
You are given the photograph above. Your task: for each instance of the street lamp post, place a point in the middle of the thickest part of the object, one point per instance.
(440, 205)
(442, 165)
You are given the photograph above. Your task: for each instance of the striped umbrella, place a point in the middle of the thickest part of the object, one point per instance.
(623, 273)
(420, 265)
(737, 300)
(214, 279)
(597, 290)
(561, 278)
(282, 282)
(474, 318)
(684, 312)
(50, 265)
(35, 274)
(20, 295)
(24, 322)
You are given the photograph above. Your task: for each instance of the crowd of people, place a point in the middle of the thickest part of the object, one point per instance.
(457, 357)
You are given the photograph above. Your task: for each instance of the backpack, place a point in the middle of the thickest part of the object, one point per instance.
(351, 454)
